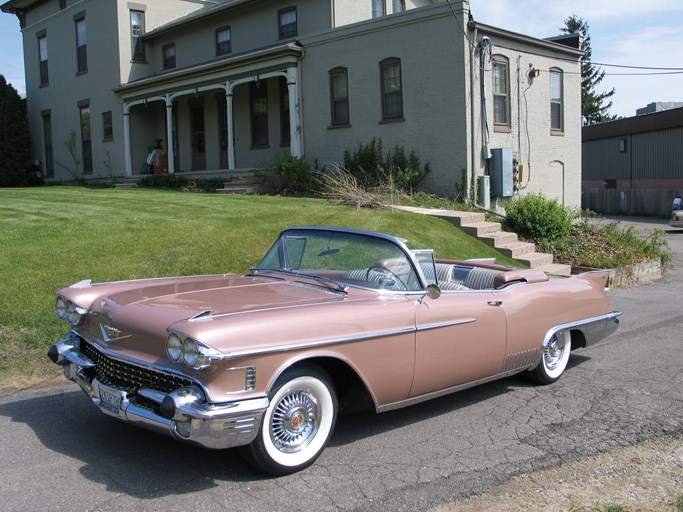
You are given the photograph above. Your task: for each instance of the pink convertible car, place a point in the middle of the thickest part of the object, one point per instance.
(331, 320)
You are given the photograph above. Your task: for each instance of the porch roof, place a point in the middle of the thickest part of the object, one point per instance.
(254, 62)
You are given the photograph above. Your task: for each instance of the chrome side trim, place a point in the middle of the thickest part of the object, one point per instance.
(443, 325)
(595, 328)
(443, 392)
(314, 344)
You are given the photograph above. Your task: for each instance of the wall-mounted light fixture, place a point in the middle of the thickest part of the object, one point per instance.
(533, 72)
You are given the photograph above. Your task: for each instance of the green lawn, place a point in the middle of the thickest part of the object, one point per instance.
(52, 237)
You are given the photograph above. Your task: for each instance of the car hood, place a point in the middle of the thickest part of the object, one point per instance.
(150, 307)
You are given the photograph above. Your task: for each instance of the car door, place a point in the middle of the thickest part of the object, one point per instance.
(460, 338)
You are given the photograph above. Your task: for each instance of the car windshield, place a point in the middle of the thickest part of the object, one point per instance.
(355, 259)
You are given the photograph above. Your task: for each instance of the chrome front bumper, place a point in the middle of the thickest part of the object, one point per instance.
(182, 414)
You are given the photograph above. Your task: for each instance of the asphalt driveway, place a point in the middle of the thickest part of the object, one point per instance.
(59, 453)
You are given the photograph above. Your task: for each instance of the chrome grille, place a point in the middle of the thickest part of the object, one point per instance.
(129, 376)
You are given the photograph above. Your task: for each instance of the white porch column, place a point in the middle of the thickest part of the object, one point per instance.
(128, 158)
(230, 125)
(296, 148)
(170, 150)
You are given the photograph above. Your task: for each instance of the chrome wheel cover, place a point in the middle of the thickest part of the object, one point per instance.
(295, 421)
(553, 353)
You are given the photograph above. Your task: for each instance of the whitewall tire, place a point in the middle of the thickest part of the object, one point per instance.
(297, 424)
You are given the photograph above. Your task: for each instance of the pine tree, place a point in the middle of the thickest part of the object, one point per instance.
(593, 107)
(14, 137)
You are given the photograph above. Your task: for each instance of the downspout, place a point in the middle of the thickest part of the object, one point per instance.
(519, 109)
(486, 51)
(300, 107)
(469, 171)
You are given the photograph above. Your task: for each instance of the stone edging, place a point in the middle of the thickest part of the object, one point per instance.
(645, 272)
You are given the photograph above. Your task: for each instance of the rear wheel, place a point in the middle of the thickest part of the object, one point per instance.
(297, 424)
(555, 357)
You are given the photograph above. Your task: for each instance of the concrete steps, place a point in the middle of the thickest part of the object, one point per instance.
(245, 183)
(127, 183)
(476, 225)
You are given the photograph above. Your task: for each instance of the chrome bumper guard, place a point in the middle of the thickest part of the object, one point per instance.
(184, 413)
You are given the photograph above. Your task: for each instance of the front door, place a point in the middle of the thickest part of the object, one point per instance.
(461, 338)
(198, 137)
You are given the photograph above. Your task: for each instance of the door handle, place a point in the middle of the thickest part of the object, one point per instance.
(495, 303)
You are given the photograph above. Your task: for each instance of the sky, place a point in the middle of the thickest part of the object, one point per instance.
(623, 32)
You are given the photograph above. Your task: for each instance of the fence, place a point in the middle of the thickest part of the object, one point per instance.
(646, 202)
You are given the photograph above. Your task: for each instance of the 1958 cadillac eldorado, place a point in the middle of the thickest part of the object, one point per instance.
(331, 320)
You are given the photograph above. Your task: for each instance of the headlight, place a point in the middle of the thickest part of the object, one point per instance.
(183, 350)
(174, 348)
(60, 308)
(190, 352)
(69, 311)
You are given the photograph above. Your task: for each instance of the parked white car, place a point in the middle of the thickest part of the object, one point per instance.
(677, 214)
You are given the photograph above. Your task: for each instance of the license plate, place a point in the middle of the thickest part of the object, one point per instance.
(110, 400)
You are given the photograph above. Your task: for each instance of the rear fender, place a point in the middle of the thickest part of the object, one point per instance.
(598, 278)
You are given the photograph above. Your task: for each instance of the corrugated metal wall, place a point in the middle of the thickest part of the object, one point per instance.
(656, 155)
(602, 160)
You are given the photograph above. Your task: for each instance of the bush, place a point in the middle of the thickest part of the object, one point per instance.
(543, 221)
(610, 246)
(372, 169)
(14, 138)
(289, 176)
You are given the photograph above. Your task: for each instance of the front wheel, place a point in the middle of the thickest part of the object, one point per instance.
(297, 424)
(555, 357)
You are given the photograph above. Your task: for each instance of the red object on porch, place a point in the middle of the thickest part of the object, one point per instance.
(157, 169)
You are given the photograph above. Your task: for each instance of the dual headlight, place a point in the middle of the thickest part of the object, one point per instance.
(69, 311)
(183, 350)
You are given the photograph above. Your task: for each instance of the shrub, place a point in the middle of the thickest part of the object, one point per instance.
(289, 176)
(541, 220)
(372, 168)
(14, 137)
(610, 246)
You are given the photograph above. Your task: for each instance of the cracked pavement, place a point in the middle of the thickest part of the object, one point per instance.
(59, 453)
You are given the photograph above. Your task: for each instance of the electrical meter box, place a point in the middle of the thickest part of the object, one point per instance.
(501, 172)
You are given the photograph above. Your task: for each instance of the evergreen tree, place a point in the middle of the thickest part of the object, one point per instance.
(14, 137)
(593, 107)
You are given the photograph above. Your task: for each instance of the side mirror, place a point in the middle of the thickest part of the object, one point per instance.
(433, 291)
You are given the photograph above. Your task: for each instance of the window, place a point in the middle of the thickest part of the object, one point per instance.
(107, 127)
(47, 144)
(501, 92)
(81, 46)
(62, 4)
(137, 29)
(377, 8)
(339, 96)
(287, 25)
(392, 98)
(285, 135)
(556, 101)
(169, 55)
(259, 114)
(223, 40)
(86, 141)
(42, 55)
(398, 6)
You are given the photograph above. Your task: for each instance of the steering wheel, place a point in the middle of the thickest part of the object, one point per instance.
(388, 274)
